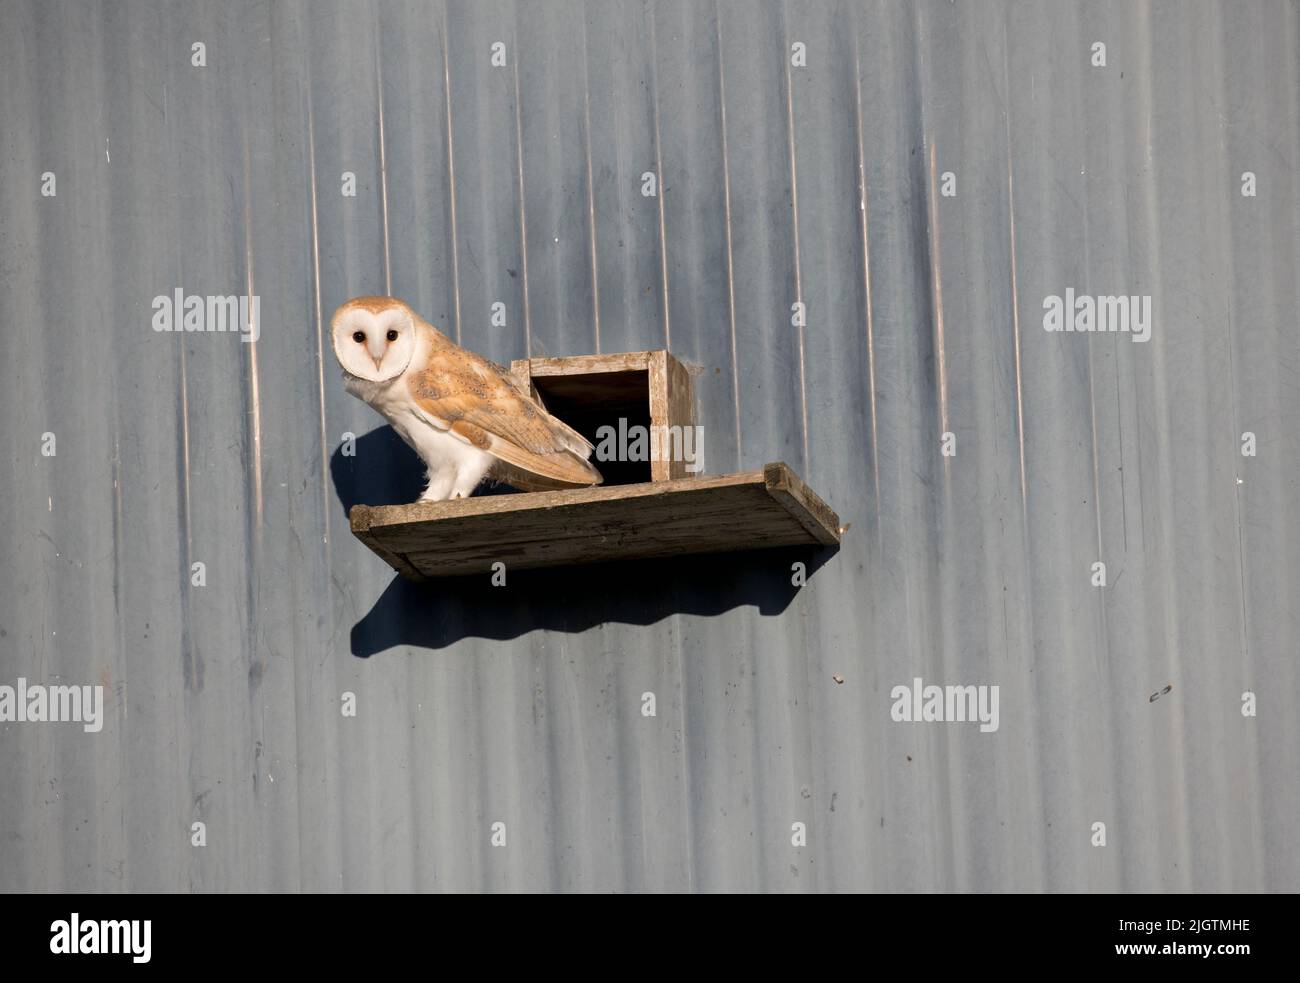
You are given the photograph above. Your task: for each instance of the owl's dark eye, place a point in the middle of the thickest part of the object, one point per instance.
(392, 335)
(358, 336)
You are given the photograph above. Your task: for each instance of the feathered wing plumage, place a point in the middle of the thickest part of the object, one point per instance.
(476, 400)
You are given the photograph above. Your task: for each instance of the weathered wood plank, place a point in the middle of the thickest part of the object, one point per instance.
(751, 510)
(358, 519)
(589, 364)
(670, 405)
(681, 406)
(804, 504)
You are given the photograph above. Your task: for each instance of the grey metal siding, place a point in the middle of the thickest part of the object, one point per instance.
(779, 184)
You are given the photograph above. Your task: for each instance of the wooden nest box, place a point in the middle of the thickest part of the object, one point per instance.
(649, 506)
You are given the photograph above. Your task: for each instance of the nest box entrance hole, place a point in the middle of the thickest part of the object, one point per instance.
(625, 392)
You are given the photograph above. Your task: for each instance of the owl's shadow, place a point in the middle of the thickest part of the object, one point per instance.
(574, 599)
(382, 469)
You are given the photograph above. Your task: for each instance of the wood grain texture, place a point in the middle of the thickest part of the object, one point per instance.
(750, 510)
(818, 518)
(663, 403)
(680, 406)
(589, 364)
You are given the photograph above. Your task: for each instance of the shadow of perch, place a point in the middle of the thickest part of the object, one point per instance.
(440, 613)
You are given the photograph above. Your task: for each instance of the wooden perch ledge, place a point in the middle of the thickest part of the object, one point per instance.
(751, 510)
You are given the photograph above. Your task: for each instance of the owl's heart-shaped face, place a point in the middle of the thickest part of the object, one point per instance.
(374, 338)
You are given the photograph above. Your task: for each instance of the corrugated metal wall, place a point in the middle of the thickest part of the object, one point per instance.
(819, 183)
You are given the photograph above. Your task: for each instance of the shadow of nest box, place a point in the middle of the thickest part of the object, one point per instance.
(648, 506)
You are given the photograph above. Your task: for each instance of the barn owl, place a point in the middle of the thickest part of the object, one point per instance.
(461, 413)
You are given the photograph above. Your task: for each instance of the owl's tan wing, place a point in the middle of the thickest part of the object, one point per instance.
(477, 401)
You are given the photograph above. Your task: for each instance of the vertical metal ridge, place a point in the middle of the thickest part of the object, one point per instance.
(794, 222)
(1015, 285)
(863, 216)
(659, 176)
(933, 238)
(191, 669)
(1226, 258)
(591, 191)
(523, 207)
(1145, 45)
(186, 501)
(383, 164)
(1026, 617)
(254, 376)
(326, 504)
(936, 289)
(726, 215)
(451, 178)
